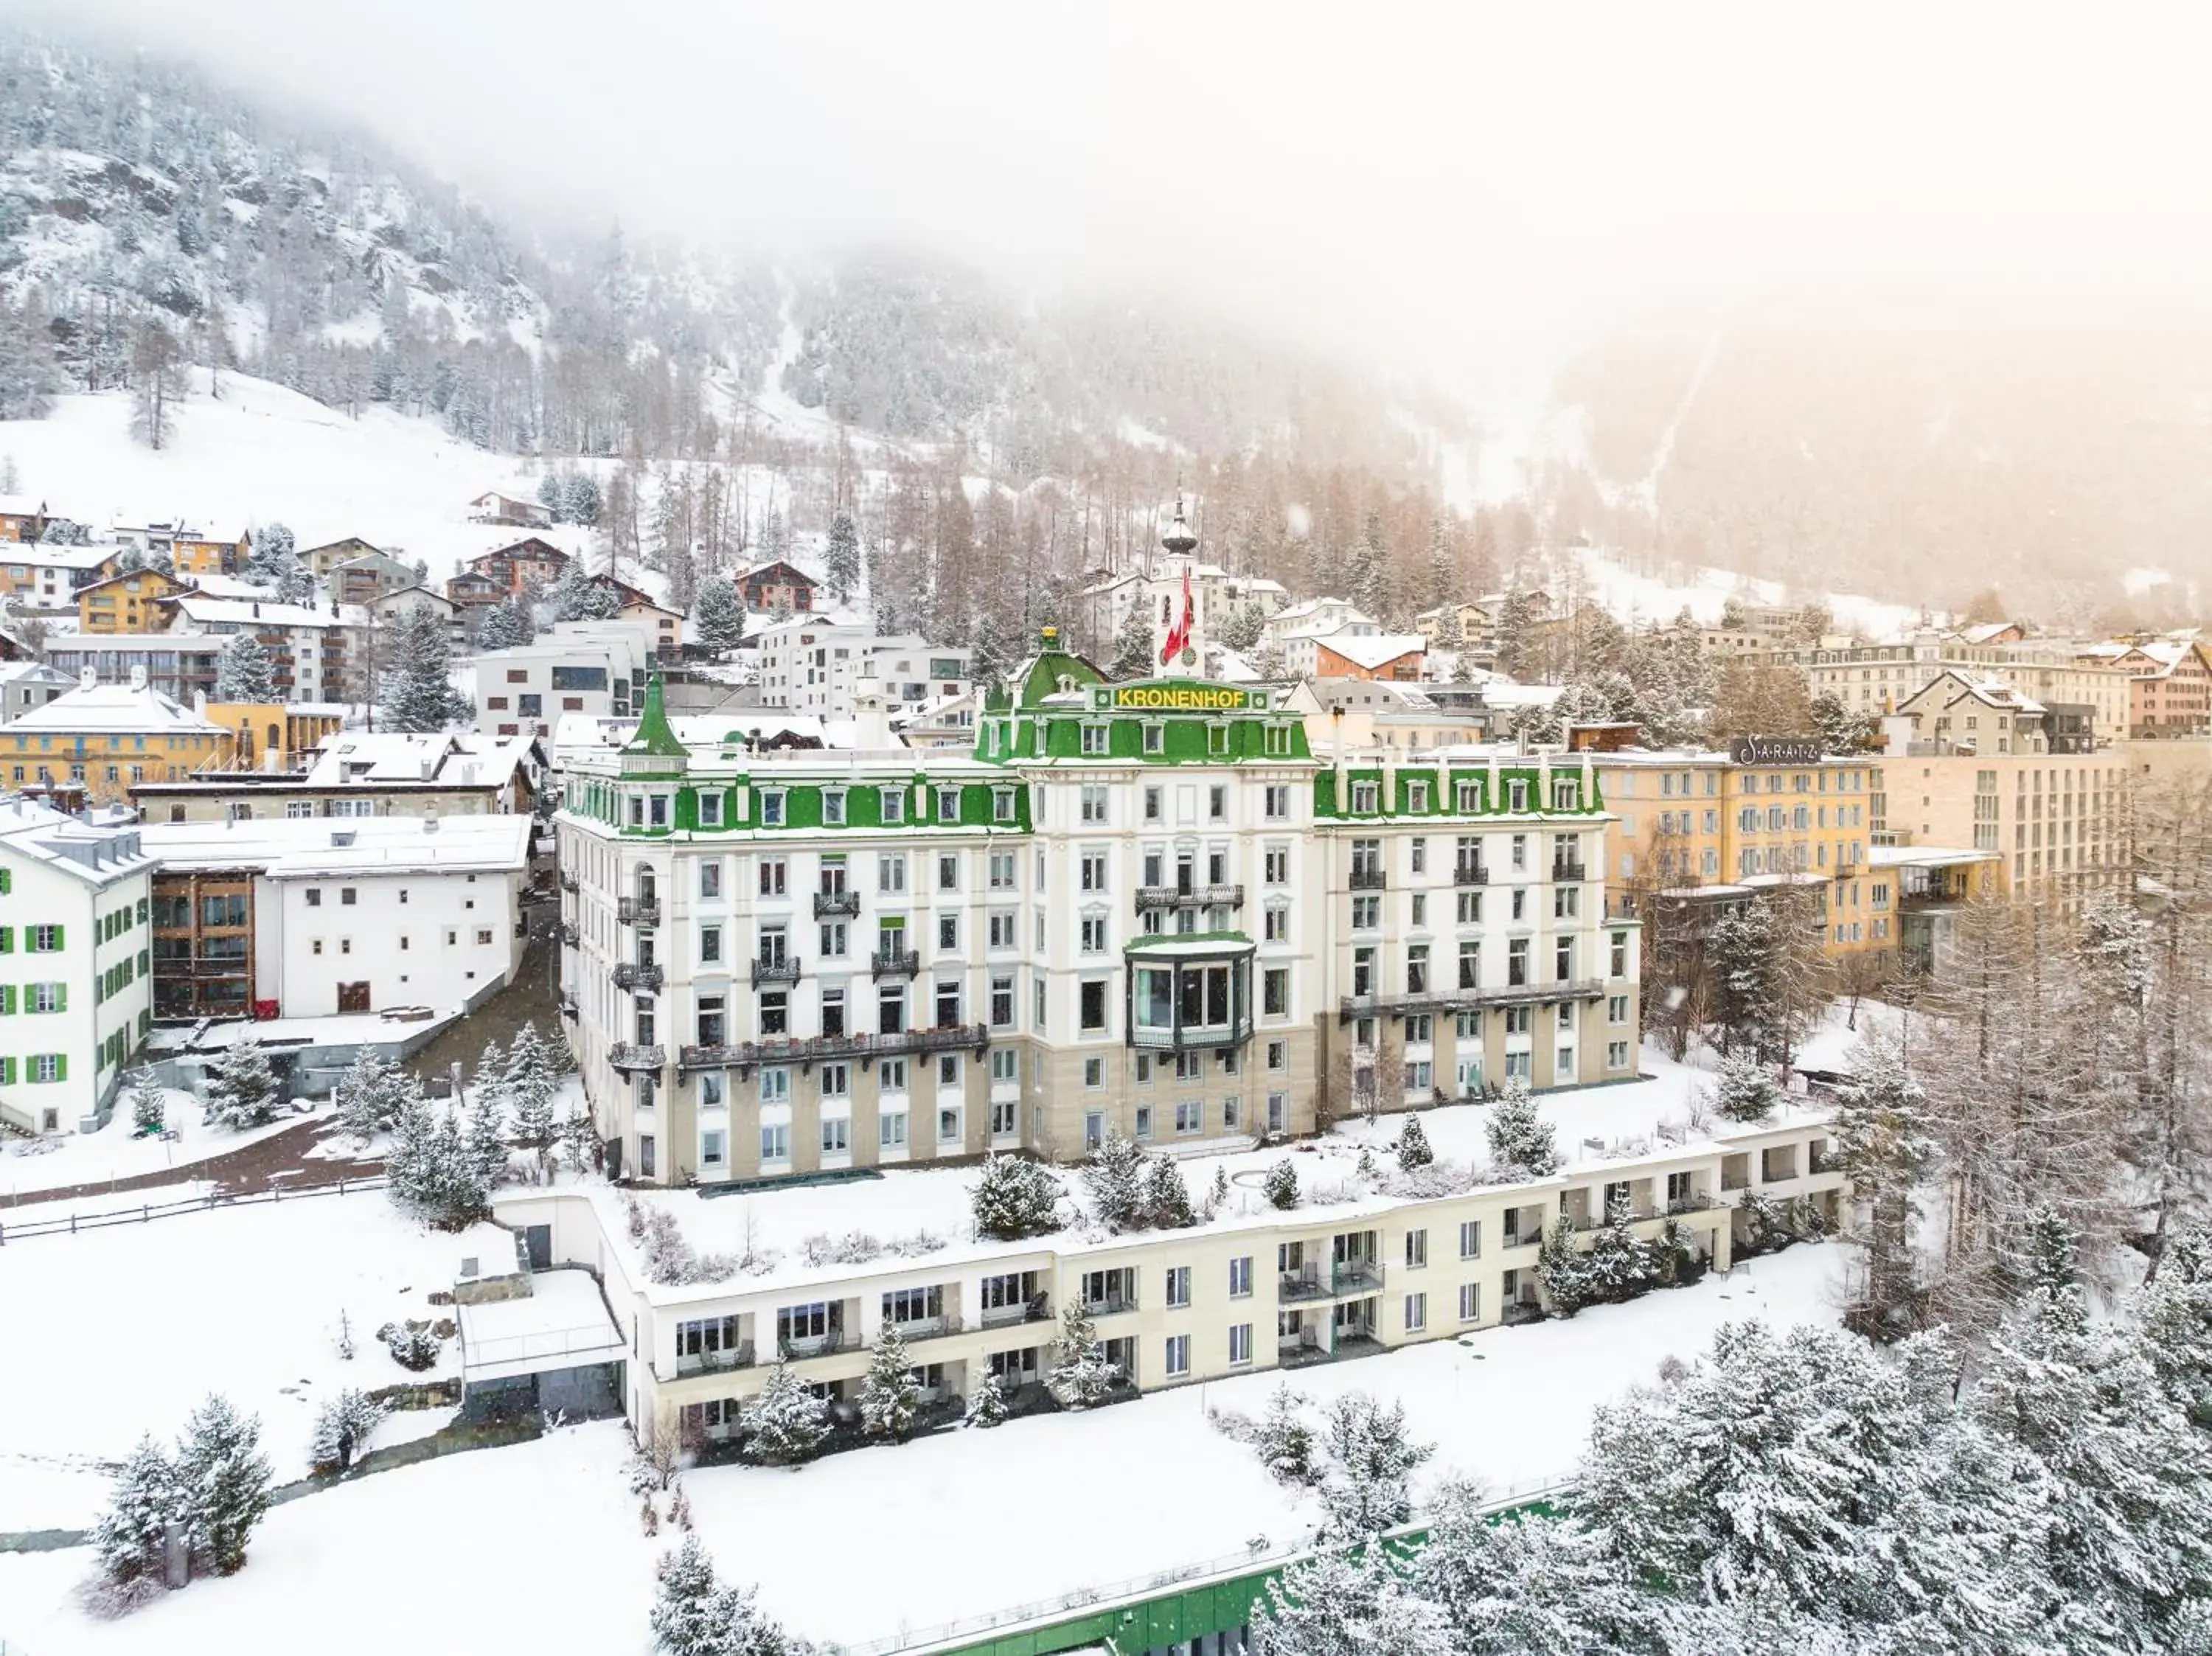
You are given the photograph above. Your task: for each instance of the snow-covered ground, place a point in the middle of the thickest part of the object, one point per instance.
(961, 1525)
(1631, 596)
(117, 1152)
(132, 1325)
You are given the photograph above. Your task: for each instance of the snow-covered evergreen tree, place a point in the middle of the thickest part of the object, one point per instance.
(432, 1167)
(1619, 1265)
(784, 1424)
(1564, 1270)
(1132, 645)
(504, 626)
(529, 1086)
(245, 672)
(1280, 1187)
(1282, 1440)
(1413, 1149)
(840, 558)
(1339, 1601)
(1015, 1198)
(683, 1601)
(272, 543)
(1166, 1201)
(1113, 1178)
(241, 1090)
(987, 1402)
(1081, 1378)
(1368, 1487)
(718, 615)
(889, 1395)
(371, 1095)
(223, 1479)
(147, 1100)
(1746, 1089)
(418, 687)
(142, 1498)
(1521, 1143)
(343, 1425)
(1532, 1584)
(570, 592)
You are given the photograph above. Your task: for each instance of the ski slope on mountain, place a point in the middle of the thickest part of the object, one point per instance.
(249, 451)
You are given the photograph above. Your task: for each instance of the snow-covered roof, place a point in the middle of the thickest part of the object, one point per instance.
(1373, 649)
(310, 846)
(211, 611)
(92, 852)
(1927, 857)
(59, 557)
(116, 708)
(12, 670)
(562, 1322)
(20, 506)
(447, 759)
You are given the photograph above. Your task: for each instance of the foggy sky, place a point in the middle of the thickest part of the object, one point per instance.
(1467, 190)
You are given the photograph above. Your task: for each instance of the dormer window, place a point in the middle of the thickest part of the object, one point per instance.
(657, 810)
(1516, 794)
(1366, 799)
(1276, 741)
(1467, 797)
(771, 803)
(948, 805)
(1567, 794)
(1217, 740)
(1156, 738)
(1095, 741)
(832, 807)
(710, 810)
(894, 806)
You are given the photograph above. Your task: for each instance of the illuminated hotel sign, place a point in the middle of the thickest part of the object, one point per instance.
(1181, 698)
(1774, 750)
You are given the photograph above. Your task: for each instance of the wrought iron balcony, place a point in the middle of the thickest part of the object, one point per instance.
(629, 975)
(1037, 1309)
(1468, 1000)
(567, 935)
(895, 963)
(1569, 873)
(829, 903)
(568, 1007)
(746, 1055)
(783, 971)
(638, 911)
(1201, 896)
(569, 882)
(1189, 1036)
(818, 1345)
(1470, 874)
(1368, 879)
(716, 1363)
(627, 1055)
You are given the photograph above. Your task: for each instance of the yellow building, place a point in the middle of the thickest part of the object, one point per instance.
(127, 602)
(275, 734)
(1764, 813)
(2057, 822)
(109, 736)
(194, 556)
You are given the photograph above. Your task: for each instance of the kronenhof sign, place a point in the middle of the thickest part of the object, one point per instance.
(1775, 750)
(1182, 698)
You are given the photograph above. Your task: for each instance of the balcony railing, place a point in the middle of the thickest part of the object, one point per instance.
(629, 975)
(568, 1007)
(818, 1345)
(1197, 896)
(815, 1049)
(783, 971)
(1569, 873)
(925, 1328)
(638, 911)
(1322, 1283)
(627, 1055)
(895, 962)
(1468, 1000)
(569, 882)
(829, 903)
(1368, 879)
(568, 937)
(1037, 1310)
(1148, 1038)
(1696, 1202)
(1470, 874)
(1110, 1304)
(716, 1363)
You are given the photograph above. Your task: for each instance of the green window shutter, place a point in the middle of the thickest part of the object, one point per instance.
(7, 939)
(61, 997)
(7, 997)
(61, 1066)
(145, 961)
(58, 940)
(7, 1071)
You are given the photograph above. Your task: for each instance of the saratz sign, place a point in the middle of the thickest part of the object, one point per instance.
(1177, 696)
(1775, 750)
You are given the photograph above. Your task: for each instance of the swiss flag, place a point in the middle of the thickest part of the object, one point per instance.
(1179, 634)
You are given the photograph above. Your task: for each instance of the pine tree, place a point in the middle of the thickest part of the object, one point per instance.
(1413, 1149)
(684, 1620)
(1564, 1270)
(343, 1425)
(784, 1424)
(1371, 1461)
(1746, 1089)
(1335, 1602)
(1619, 1265)
(129, 1535)
(571, 592)
(840, 558)
(987, 1402)
(436, 1168)
(1081, 1378)
(718, 616)
(418, 688)
(504, 626)
(224, 1480)
(371, 1094)
(889, 1396)
(1521, 1143)
(1015, 1198)
(1284, 1440)
(245, 672)
(1132, 645)
(295, 583)
(149, 1102)
(1166, 1201)
(1113, 1178)
(530, 1084)
(1884, 1144)
(241, 1090)
(1281, 1186)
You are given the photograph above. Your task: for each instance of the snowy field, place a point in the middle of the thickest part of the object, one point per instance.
(1594, 1125)
(28, 1166)
(1509, 1406)
(133, 1325)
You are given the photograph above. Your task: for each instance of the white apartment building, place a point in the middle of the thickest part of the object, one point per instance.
(26, 686)
(596, 668)
(77, 999)
(1138, 906)
(813, 665)
(1877, 679)
(316, 647)
(348, 917)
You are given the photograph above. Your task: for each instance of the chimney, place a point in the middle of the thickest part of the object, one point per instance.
(88, 676)
(138, 675)
(199, 701)
(871, 723)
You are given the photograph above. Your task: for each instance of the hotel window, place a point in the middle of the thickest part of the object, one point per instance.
(710, 811)
(1095, 740)
(1277, 801)
(1178, 1351)
(948, 805)
(1156, 738)
(1365, 796)
(1416, 1249)
(1417, 1312)
(832, 807)
(771, 805)
(1240, 1344)
(1093, 805)
(1178, 1286)
(1470, 1302)
(891, 806)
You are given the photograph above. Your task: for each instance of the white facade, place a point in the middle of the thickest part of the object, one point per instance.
(809, 665)
(26, 686)
(319, 643)
(594, 669)
(76, 971)
(373, 913)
